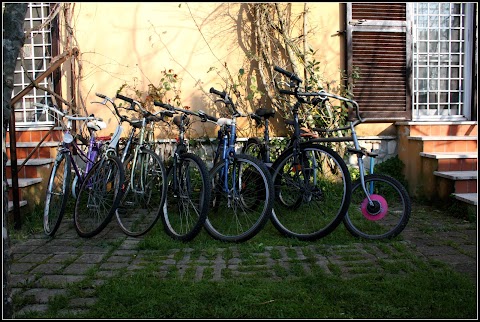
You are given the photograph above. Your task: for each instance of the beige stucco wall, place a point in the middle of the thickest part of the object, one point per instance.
(133, 42)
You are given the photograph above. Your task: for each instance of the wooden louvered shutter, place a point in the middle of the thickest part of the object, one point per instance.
(378, 43)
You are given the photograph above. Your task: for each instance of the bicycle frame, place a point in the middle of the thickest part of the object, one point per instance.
(69, 145)
(228, 150)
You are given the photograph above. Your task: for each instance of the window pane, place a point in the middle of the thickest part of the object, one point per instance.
(444, 85)
(445, 8)
(422, 72)
(443, 97)
(444, 72)
(433, 8)
(455, 72)
(456, 10)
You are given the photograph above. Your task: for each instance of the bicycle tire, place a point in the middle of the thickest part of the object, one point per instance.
(57, 194)
(141, 204)
(254, 148)
(99, 196)
(188, 198)
(389, 215)
(310, 202)
(242, 215)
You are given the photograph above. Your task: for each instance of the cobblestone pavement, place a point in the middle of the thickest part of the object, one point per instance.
(42, 267)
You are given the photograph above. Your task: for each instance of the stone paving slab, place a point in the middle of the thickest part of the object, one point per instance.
(42, 267)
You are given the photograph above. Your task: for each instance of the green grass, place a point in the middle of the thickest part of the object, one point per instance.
(401, 286)
(422, 294)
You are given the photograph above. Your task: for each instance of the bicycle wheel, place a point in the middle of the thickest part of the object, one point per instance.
(188, 198)
(388, 215)
(239, 212)
(144, 195)
(312, 192)
(57, 194)
(254, 148)
(99, 196)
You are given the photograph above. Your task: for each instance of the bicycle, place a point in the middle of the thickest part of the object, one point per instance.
(311, 181)
(254, 146)
(242, 187)
(380, 206)
(188, 184)
(145, 180)
(57, 191)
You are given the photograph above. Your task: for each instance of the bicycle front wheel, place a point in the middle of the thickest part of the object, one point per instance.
(386, 216)
(144, 196)
(188, 198)
(99, 196)
(57, 194)
(312, 192)
(242, 199)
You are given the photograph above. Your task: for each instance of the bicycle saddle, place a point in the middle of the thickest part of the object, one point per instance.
(177, 120)
(265, 112)
(96, 125)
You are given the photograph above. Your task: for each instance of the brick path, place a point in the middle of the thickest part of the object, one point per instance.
(42, 267)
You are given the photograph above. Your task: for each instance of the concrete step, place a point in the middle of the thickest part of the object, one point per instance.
(470, 198)
(25, 182)
(451, 161)
(33, 162)
(449, 155)
(457, 175)
(441, 144)
(463, 181)
(10, 204)
(34, 144)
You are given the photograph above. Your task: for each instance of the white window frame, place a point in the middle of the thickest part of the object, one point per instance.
(436, 110)
(36, 50)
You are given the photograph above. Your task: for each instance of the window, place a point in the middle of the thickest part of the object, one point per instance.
(442, 60)
(37, 54)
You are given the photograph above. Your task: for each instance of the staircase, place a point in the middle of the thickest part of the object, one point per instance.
(32, 177)
(440, 159)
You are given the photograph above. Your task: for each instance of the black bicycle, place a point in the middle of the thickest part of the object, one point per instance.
(188, 184)
(379, 206)
(312, 182)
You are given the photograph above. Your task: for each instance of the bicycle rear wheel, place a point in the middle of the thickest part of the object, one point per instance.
(254, 147)
(312, 192)
(241, 210)
(99, 196)
(188, 198)
(57, 194)
(388, 215)
(144, 196)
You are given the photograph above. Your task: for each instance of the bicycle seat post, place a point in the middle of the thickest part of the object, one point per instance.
(267, 160)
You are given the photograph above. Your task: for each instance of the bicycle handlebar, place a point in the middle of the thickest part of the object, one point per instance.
(155, 117)
(227, 100)
(69, 117)
(290, 75)
(322, 94)
(201, 114)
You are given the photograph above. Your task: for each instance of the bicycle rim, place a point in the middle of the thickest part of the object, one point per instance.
(142, 202)
(188, 198)
(312, 193)
(388, 215)
(57, 194)
(99, 196)
(239, 212)
(254, 148)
